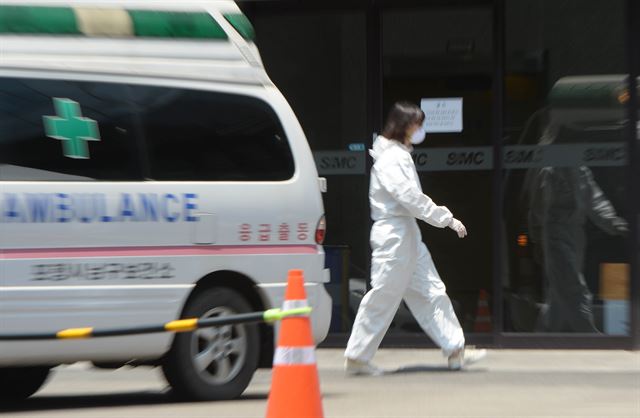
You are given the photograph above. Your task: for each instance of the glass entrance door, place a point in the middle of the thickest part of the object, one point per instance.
(442, 59)
(322, 72)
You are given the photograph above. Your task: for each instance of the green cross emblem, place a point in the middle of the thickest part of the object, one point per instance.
(71, 128)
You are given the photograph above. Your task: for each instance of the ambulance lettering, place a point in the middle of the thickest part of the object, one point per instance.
(264, 232)
(97, 207)
(56, 272)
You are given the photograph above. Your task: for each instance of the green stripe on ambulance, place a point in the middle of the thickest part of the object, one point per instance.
(242, 25)
(38, 20)
(113, 22)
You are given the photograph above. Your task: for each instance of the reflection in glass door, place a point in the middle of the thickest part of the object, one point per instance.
(565, 154)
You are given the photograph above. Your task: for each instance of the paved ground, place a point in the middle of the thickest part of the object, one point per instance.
(510, 383)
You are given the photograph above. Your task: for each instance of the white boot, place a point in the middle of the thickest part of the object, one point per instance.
(361, 368)
(464, 357)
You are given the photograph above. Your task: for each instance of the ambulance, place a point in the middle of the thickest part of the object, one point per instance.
(149, 171)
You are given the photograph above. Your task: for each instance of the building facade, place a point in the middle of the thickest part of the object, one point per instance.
(533, 129)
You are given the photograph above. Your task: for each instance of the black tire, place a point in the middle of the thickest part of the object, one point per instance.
(228, 355)
(18, 383)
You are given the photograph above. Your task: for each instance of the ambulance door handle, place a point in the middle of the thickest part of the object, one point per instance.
(205, 229)
(322, 183)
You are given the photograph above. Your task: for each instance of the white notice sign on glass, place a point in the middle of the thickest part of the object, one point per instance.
(442, 115)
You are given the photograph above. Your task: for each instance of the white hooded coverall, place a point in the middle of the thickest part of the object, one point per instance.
(401, 265)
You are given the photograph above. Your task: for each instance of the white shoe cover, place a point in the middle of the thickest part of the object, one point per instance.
(361, 368)
(465, 357)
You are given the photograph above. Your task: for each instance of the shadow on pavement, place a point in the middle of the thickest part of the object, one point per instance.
(420, 368)
(115, 400)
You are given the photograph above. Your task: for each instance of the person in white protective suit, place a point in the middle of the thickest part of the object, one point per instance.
(401, 265)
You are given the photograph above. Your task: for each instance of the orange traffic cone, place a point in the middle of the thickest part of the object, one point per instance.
(483, 315)
(295, 388)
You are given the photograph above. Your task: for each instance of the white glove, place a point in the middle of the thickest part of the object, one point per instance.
(457, 226)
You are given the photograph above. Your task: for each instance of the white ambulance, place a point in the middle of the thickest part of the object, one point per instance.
(149, 171)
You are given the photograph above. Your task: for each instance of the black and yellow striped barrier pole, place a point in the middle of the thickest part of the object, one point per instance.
(180, 325)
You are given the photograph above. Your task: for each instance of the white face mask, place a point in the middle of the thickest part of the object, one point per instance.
(418, 136)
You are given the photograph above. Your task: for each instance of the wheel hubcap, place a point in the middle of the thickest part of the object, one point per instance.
(219, 353)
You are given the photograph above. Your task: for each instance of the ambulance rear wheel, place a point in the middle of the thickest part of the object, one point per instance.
(213, 363)
(18, 383)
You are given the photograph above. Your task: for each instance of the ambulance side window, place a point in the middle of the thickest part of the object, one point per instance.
(208, 136)
(58, 130)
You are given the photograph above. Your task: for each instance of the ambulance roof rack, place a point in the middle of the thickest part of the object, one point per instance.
(96, 20)
(198, 39)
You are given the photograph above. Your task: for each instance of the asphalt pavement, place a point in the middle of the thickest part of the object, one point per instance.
(509, 383)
